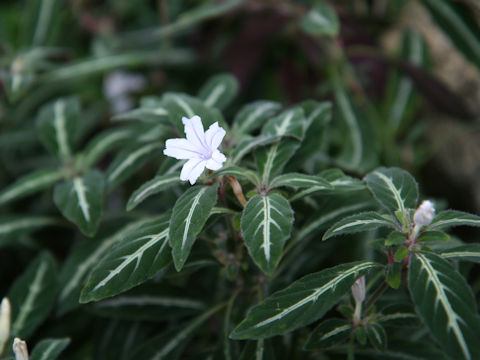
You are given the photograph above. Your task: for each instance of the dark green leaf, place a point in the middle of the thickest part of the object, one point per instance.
(329, 333)
(320, 20)
(253, 116)
(152, 187)
(360, 222)
(377, 336)
(469, 252)
(450, 218)
(219, 91)
(49, 349)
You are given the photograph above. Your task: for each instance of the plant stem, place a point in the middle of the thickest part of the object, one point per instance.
(237, 189)
(379, 291)
(351, 347)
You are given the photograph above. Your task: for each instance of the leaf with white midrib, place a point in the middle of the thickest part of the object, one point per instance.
(219, 90)
(189, 215)
(450, 218)
(24, 223)
(253, 115)
(49, 349)
(133, 260)
(470, 252)
(102, 143)
(359, 222)
(301, 303)
(154, 186)
(266, 224)
(446, 303)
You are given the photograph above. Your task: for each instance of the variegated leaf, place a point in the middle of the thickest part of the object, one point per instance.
(289, 123)
(157, 115)
(246, 145)
(393, 188)
(189, 215)
(219, 91)
(239, 173)
(297, 180)
(446, 303)
(470, 252)
(303, 302)
(133, 260)
(32, 295)
(329, 333)
(253, 116)
(49, 349)
(266, 224)
(57, 123)
(81, 199)
(450, 218)
(128, 161)
(271, 159)
(154, 186)
(11, 226)
(359, 222)
(321, 20)
(29, 184)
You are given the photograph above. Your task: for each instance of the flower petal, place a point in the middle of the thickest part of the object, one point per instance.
(182, 149)
(218, 156)
(214, 136)
(213, 165)
(192, 169)
(194, 131)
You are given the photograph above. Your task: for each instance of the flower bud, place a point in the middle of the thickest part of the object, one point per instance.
(358, 290)
(4, 323)
(20, 349)
(424, 214)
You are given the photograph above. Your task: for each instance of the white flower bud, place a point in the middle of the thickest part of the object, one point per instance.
(358, 290)
(424, 214)
(20, 349)
(4, 323)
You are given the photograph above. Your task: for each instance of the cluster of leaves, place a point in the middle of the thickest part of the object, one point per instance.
(234, 266)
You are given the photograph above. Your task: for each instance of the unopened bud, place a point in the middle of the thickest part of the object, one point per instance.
(424, 214)
(4, 323)
(20, 349)
(358, 290)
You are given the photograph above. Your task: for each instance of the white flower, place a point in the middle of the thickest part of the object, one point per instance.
(4, 323)
(200, 148)
(358, 290)
(20, 349)
(424, 214)
(118, 85)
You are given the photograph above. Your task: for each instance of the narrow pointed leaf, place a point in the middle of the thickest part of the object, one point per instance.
(83, 258)
(189, 215)
(399, 315)
(152, 187)
(134, 259)
(469, 252)
(80, 200)
(157, 115)
(298, 180)
(393, 188)
(57, 123)
(450, 218)
(360, 222)
(290, 123)
(266, 224)
(128, 161)
(32, 295)
(329, 333)
(320, 20)
(253, 116)
(377, 336)
(239, 173)
(12, 226)
(271, 159)
(446, 304)
(49, 349)
(219, 91)
(29, 184)
(303, 302)
(102, 144)
(248, 144)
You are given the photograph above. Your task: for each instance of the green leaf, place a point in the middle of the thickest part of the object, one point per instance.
(401, 253)
(80, 200)
(393, 275)
(239, 173)
(134, 259)
(300, 180)
(393, 188)
(321, 20)
(395, 238)
(360, 222)
(446, 304)
(83, 257)
(469, 252)
(433, 236)
(249, 144)
(32, 295)
(57, 124)
(266, 224)
(271, 160)
(101, 144)
(157, 115)
(301, 303)
(330, 332)
(128, 161)
(12, 226)
(180, 105)
(152, 187)
(460, 25)
(399, 315)
(289, 123)
(449, 218)
(261, 349)
(49, 349)
(252, 116)
(29, 184)
(189, 215)
(219, 91)
(377, 336)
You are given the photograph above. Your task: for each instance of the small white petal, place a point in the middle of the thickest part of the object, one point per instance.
(181, 149)
(213, 165)
(192, 169)
(214, 135)
(218, 156)
(194, 132)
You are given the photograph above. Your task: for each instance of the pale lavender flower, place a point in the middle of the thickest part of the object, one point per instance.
(424, 214)
(4, 323)
(20, 349)
(358, 289)
(200, 148)
(117, 87)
